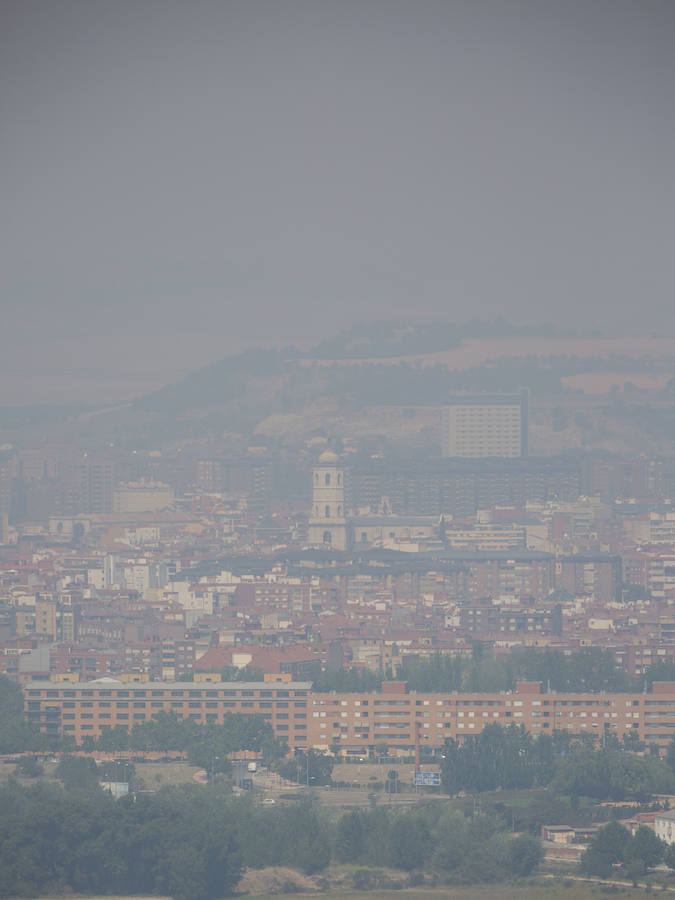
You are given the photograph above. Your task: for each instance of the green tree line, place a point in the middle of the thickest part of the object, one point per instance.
(614, 845)
(512, 758)
(193, 843)
(16, 734)
(205, 745)
(590, 669)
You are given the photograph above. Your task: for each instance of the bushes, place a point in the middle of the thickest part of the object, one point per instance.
(181, 843)
(193, 842)
(614, 844)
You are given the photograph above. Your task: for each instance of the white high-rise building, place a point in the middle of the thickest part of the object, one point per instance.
(485, 426)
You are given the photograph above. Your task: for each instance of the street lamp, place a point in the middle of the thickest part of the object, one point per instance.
(213, 768)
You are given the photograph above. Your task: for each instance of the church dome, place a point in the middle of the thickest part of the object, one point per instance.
(329, 458)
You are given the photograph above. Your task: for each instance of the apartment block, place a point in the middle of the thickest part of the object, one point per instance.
(485, 426)
(87, 709)
(357, 723)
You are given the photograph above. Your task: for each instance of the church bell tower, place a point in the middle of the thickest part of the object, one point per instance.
(328, 522)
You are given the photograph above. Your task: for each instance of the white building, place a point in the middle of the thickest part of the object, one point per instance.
(328, 521)
(485, 426)
(664, 826)
(142, 496)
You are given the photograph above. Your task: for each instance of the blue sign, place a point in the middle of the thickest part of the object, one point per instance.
(427, 778)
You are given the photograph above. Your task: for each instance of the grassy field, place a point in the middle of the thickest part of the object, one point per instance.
(478, 351)
(364, 774)
(549, 889)
(157, 774)
(153, 775)
(555, 887)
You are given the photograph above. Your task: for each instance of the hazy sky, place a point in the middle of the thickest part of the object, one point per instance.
(179, 178)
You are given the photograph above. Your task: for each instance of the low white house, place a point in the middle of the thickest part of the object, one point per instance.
(664, 826)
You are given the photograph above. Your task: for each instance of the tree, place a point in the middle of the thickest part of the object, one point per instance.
(606, 848)
(350, 680)
(77, 773)
(670, 755)
(29, 767)
(351, 837)
(114, 739)
(451, 773)
(451, 840)
(311, 768)
(409, 842)
(16, 735)
(311, 850)
(645, 846)
(525, 854)
(611, 774)
(669, 856)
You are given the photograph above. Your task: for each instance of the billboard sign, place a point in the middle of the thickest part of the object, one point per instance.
(427, 778)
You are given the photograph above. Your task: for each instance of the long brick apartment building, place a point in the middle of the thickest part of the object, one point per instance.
(357, 723)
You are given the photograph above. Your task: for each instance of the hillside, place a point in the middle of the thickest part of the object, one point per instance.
(391, 380)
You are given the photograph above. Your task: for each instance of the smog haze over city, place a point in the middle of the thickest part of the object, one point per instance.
(183, 180)
(337, 448)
